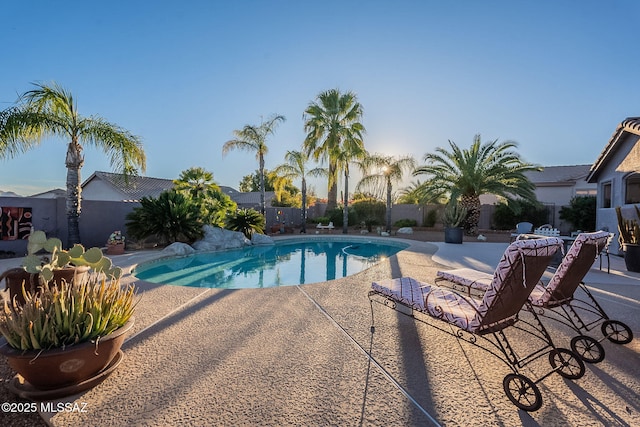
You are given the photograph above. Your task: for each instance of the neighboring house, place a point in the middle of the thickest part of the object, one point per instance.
(51, 194)
(108, 186)
(557, 185)
(617, 175)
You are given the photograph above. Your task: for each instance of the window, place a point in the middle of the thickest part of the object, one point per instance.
(606, 195)
(632, 189)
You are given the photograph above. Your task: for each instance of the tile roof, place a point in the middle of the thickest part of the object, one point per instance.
(137, 187)
(628, 125)
(143, 186)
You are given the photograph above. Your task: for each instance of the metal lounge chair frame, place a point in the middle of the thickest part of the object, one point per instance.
(558, 300)
(485, 322)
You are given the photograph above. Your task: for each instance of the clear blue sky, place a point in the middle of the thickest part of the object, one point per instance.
(555, 76)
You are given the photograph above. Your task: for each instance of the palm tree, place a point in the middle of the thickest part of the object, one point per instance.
(198, 185)
(50, 110)
(330, 122)
(254, 138)
(296, 167)
(351, 150)
(388, 170)
(465, 174)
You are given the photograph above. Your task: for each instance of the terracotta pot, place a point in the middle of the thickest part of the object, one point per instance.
(16, 276)
(58, 368)
(117, 249)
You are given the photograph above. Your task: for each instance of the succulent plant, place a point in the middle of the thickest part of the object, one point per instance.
(65, 314)
(629, 228)
(58, 258)
(453, 214)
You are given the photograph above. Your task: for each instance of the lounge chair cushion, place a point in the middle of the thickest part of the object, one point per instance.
(440, 302)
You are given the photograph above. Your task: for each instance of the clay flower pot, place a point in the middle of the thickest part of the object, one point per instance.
(115, 249)
(16, 276)
(60, 368)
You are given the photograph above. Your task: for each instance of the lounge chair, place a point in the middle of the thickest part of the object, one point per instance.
(486, 321)
(557, 300)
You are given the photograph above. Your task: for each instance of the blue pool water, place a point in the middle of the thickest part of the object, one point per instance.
(282, 264)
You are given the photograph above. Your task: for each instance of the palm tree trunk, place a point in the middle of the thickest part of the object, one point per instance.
(472, 203)
(74, 163)
(303, 227)
(345, 209)
(262, 202)
(388, 204)
(332, 193)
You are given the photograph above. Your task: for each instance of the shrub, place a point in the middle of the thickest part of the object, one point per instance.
(172, 217)
(335, 216)
(406, 222)
(581, 212)
(506, 217)
(246, 221)
(432, 218)
(369, 211)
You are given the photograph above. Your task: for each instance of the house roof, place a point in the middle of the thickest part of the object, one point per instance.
(628, 125)
(558, 175)
(136, 187)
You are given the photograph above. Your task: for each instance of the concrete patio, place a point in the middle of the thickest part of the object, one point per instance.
(305, 355)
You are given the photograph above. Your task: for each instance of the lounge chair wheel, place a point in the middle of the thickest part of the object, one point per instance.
(567, 363)
(589, 349)
(523, 392)
(617, 332)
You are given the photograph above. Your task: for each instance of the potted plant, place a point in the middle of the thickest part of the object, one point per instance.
(452, 217)
(55, 265)
(115, 243)
(630, 240)
(65, 335)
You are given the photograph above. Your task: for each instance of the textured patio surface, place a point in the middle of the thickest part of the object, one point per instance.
(298, 355)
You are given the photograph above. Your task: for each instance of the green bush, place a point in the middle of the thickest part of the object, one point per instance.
(335, 215)
(172, 217)
(506, 217)
(369, 211)
(405, 223)
(581, 212)
(431, 219)
(246, 221)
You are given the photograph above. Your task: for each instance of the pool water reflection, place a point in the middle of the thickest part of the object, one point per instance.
(282, 264)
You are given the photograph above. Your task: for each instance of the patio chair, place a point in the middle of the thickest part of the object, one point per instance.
(485, 322)
(522, 228)
(557, 299)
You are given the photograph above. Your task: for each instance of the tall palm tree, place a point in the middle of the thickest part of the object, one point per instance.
(465, 174)
(254, 138)
(351, 150)
(296, 167)
(331, 121)
(387, 170)
(50, 110)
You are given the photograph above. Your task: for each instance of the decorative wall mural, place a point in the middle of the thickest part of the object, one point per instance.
(15, 223)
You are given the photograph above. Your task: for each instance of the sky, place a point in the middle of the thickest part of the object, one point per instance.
(556, 77)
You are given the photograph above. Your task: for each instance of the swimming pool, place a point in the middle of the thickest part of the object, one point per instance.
(286, 263)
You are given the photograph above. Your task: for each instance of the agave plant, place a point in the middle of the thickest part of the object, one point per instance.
(65, 314)
(629, 228)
